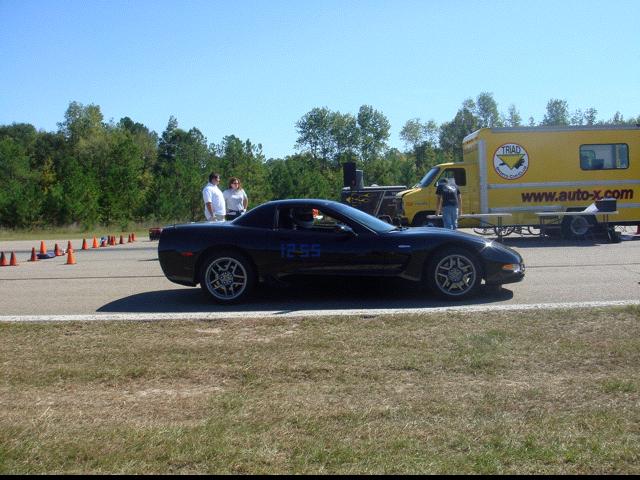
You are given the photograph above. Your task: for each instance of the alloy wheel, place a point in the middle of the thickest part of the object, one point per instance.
(455, 275)
(226, 278)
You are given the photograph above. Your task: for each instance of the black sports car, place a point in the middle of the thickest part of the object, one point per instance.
(320, 237)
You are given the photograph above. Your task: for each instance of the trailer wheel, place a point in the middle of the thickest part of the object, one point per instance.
(577, 227)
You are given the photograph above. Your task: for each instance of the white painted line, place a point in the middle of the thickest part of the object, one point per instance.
(147, 317)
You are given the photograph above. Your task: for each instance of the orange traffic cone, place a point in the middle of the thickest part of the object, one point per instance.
(84, 244)
(129, 239)
(71, 258)
(69, 246)
(121, 240)
(113, 240)
(133, 237)
(34, 257)
(3, 260)
(14, 261)
(43, 248)
(95, 243)
(56, 251)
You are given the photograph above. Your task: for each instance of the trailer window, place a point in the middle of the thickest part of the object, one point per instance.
(611, 156)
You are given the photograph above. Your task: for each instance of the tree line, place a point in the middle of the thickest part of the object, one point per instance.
(90, 172)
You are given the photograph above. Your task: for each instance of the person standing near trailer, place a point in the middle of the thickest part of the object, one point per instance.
(448, 204)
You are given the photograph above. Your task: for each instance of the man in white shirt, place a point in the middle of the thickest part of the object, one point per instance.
(214, 207)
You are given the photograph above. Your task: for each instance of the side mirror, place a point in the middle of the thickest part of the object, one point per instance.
(345, 229)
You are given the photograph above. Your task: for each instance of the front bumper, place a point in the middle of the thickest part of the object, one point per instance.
(499, 275)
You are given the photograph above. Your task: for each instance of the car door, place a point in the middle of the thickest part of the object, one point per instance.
(324, 245)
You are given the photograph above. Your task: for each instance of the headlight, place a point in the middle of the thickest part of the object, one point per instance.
(513, 267)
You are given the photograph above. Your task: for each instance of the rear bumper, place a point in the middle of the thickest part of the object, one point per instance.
(177, 268)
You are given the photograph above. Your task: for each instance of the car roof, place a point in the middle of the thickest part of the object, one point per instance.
(307, 201)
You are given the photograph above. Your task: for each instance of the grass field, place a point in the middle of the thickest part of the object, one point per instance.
(65, 233)
(548, 392)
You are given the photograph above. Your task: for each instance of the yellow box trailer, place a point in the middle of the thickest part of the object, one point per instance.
(530, 171)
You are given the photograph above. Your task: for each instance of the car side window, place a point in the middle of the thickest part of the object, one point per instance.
(307, 219)
(285, 221)
(323, 223)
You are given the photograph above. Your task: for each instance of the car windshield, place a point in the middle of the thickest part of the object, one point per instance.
(428, 178)
(363, 218)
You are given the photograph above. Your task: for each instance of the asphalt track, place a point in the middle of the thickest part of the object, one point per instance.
(125, 282)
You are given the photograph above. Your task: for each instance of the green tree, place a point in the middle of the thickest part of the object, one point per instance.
(331, 137)
(147, 144)
(303, 176)
(121, 196)
(414, 133)
(513, 118)
(181, 170)
(345, 136)
(82, 169)
(557, 113)
(452, 133)
(374, 133)
(20, 198)
(590, 116)
(421, 138)
(486, 111)
(315, 134)
(81, 121)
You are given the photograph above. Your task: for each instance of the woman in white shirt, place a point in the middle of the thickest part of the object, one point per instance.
(235, 199)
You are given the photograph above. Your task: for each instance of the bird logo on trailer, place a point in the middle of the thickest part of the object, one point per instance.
(511, 161)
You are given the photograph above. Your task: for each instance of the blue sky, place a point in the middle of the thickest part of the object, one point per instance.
(253, 68)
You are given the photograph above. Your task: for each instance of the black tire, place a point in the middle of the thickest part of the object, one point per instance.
(577, 227)
(454, 273)
(227, 277)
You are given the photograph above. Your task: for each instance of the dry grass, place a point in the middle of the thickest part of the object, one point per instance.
(536, 392)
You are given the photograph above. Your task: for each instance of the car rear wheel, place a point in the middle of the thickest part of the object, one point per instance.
(227, 277)
(454, 274)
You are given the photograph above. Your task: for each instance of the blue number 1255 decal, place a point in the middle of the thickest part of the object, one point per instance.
(299, 250)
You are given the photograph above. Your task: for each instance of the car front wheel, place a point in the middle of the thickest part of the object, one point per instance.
(227, 277)
(454, 274)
